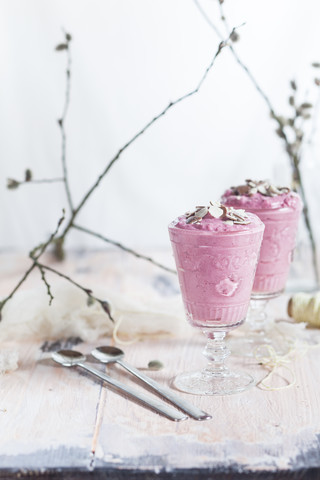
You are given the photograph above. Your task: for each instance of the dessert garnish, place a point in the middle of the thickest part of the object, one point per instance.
(228, 214)
(155, 365)
(262, 186)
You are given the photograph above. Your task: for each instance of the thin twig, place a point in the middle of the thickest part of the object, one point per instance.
(44, 279)
(12, 184)
(62, 120)
(34, 255)
(123, 247)
(141, 132)
(45, 180)
(23, 279)
(39, 249)
(207, 19)
(222, 15)
(235, 54)
(104, 304)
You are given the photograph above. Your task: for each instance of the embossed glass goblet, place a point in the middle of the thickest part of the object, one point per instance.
(216, 261)
(279, 209)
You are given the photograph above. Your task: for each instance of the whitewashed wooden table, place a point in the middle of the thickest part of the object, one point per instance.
(60, 423)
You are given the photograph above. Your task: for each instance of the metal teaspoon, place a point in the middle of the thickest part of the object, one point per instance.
(108, 354)
(71, 358)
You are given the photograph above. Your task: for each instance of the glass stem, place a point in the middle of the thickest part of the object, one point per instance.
(216, 352)
(257, 316)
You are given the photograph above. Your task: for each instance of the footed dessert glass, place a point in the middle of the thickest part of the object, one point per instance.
(279, 209)
(216, 251)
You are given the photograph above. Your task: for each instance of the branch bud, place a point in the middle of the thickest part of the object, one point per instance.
(293, 85)
(234, 37)
(106, 307)
(28, 175)
(61, 46)
(280, 133)
(58, 248)
(306, 105)
(12, 184)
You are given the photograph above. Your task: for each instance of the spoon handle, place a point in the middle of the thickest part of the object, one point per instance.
(159, 407)
(184, 405)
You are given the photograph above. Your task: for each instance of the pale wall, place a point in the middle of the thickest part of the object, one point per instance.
(130, 58)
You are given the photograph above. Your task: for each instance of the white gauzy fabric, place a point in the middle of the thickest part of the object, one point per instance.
(28, 315)
(8, 361)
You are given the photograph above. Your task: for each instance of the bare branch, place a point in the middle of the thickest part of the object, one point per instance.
(235, 54)
(143, 130)
(124, 248)
(35, 255)
(294, 158)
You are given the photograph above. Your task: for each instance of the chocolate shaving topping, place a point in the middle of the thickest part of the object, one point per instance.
(228, 214)
(262, 186)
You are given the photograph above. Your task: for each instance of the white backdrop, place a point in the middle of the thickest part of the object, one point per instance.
(129, 59)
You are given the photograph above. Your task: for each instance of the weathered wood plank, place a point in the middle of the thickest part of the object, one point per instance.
(56, 422)
(255, 430)
(48, 414)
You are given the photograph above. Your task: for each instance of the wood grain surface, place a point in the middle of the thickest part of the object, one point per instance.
(58, 422)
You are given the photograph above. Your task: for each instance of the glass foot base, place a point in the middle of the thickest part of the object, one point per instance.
(203, 383)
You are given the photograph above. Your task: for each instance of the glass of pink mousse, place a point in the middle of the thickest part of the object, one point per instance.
(279, 209)
(216, 249)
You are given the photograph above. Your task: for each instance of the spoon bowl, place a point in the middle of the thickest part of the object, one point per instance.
(68, 358)
(107, 354)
